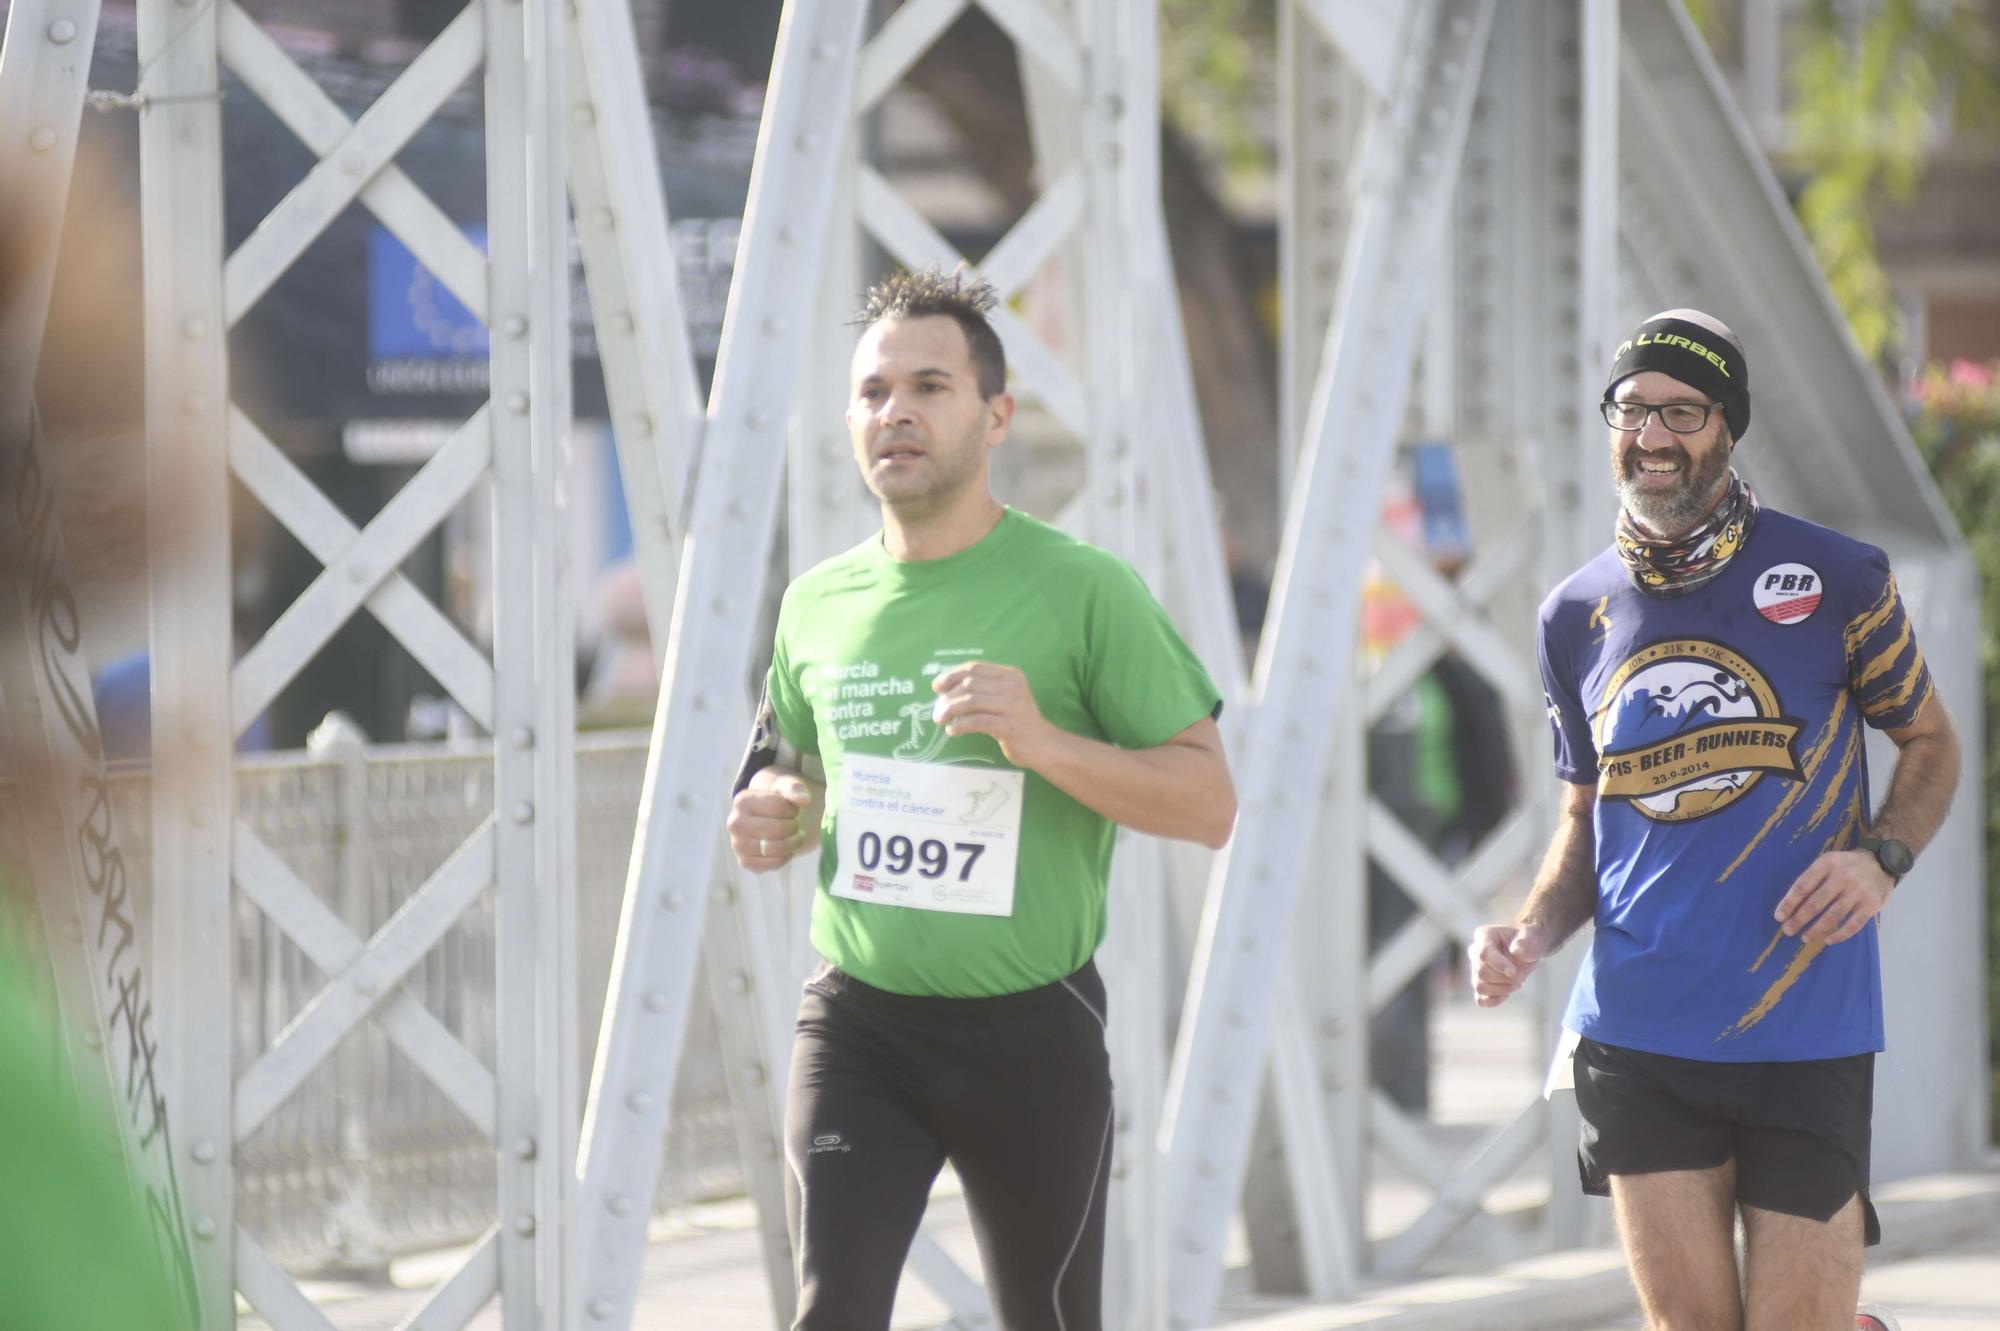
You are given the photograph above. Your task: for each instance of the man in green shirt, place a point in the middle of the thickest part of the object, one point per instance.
(961, 710)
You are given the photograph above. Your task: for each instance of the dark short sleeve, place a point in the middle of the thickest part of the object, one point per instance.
(1885, 667)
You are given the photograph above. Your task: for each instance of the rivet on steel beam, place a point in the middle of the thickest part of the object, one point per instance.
(700, 702)
(204, 1228)
(204, 1152)
(721, 605)
(672, 900)
(622, 322)
(523, 737)
(354, 164)
(358, 574)
(788, 234)
(605, 219)
(739, 983)
(62, 31)
(738, 510)
(1190, 1244)
(516, 325)
(517, 403)
(195, 404)
(1236, 1019)
(823, 50)
(1118, 1170)
(684, 801)
(810, 141)
(620, 1205)
(655, 1001)
(638, 1102)
(524, 1225)
(193, 326)
(1220, 1095)
(524, 1148)
(770, 1149)
(583, 113)
(599, 1309)
(31, 707)
(367, 985)
(1210, 1169)
(774, 326)
(42, 139)
(642, 426)
(92, 1040)
(523, 813)
(754, 1074)
(759, 419)
(73, 931)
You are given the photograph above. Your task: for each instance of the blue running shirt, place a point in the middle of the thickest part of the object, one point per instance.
(1722, 730)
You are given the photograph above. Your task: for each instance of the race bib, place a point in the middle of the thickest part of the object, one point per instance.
(928, 836)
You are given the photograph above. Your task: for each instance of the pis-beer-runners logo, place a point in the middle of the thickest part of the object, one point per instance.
(1687, 728)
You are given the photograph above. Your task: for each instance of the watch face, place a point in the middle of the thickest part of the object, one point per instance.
(1895, 857)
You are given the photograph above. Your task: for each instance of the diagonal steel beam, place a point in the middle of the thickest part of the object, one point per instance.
(321, 125)
(1408, 172)
(330, 945)
(734, 515)
(642, 339)
(350, 164)
(345, 583)
(437, 644)
(362, 986)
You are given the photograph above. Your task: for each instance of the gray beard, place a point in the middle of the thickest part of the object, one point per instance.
(1668, 515)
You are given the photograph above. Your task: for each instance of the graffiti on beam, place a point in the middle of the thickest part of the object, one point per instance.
(73, 754)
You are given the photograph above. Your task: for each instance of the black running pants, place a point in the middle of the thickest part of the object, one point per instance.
(1015, 1091)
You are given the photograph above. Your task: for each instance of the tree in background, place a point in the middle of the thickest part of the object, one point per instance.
(1955, 419)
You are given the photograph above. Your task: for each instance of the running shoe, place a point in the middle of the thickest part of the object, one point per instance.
(1875, 1319)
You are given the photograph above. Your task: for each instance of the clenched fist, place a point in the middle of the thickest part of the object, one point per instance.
(1502, 957)
(773, 818)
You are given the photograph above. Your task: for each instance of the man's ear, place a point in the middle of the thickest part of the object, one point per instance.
(1002, 407)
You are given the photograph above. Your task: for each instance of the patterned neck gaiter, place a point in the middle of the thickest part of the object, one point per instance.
(1677, 567)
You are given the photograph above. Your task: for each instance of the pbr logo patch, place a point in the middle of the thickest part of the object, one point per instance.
(1787, 593)
(1687, 728)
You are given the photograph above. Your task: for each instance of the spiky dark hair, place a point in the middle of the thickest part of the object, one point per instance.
(958, 295)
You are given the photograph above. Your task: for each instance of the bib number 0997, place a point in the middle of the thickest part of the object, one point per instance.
(932, 858)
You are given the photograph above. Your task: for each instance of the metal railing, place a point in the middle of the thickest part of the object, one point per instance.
(368, 1161)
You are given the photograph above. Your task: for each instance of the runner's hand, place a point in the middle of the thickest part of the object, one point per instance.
(774, 818)
(1502, 957)
(1837, 894)
(982, 698)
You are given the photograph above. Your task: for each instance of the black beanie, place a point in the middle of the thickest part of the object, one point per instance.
(1695, 356)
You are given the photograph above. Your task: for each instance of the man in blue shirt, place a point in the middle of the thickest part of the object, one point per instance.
(1707, 676)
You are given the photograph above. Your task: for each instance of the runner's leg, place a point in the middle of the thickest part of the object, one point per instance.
(1679, 1232)
(861, 1162)
(1031, 1142)
(1803, 1273)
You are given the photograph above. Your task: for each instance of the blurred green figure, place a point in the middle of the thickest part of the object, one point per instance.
(76, 1253)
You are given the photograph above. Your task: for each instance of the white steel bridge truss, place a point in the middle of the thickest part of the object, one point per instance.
(1453, 189)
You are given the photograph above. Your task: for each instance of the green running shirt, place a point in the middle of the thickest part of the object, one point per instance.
(859, 640)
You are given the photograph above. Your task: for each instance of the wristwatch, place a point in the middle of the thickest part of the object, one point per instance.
(1894, 857)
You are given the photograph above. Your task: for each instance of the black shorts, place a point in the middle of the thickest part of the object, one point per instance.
(1799, 1132)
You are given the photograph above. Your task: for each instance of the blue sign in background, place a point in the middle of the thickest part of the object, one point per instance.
(410, 312)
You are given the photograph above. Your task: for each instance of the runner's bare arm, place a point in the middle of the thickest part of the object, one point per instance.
(1924, 778)
(1178, 789)
(1844, 889)
(1563, 900)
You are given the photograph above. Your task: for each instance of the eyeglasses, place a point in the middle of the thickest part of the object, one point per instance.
(1680, 417)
